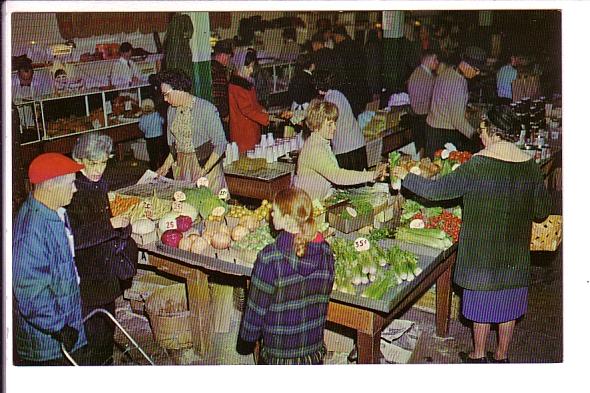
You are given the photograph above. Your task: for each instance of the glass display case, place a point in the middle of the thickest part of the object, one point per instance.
(74, 113)
(86, 103)
(280, 74)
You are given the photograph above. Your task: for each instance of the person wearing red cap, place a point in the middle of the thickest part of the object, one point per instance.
(47, 307)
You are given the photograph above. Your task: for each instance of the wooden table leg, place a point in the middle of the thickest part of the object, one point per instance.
(198, 304)
(443, 301)
(368, 347)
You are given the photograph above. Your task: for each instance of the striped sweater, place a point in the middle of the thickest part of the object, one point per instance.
(288, 298)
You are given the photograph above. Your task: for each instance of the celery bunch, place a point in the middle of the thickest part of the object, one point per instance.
(432, 237)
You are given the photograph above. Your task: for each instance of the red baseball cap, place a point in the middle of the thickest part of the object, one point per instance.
(49, 165)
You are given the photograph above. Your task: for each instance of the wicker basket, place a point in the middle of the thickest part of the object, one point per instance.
(169, 317)
(546, 236)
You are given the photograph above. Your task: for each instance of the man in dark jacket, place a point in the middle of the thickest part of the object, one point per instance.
(302, 86)
(352, 70)
(222, 54)
(46, 297)
(323, 57)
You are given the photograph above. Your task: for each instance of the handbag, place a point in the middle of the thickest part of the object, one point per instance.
(124, 258)
(547, 235)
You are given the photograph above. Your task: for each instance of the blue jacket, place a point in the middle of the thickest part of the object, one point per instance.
(46, 296)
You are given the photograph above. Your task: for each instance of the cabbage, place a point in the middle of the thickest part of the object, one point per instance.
(171, 237)
(204, 200)
(184, 223)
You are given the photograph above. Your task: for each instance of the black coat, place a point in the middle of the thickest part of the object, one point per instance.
(302, 87)
(95, 241)
(352, 80)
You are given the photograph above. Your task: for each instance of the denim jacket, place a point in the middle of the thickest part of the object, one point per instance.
(46, 296)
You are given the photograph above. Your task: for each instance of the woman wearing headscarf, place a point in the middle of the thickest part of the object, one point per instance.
(246, 115)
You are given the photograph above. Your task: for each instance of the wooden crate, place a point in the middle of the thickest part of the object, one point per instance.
(347, 226)
(428, 303)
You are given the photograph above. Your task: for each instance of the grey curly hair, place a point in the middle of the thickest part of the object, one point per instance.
(92, 146)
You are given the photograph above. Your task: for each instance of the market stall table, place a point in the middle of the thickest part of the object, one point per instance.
(260, 184)
(368, 317)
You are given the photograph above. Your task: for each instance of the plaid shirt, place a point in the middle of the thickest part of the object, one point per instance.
(288, 298)
(219, 88)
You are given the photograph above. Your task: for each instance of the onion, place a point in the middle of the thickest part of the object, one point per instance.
(185, 243)
(199, 245)
(216, 226)
(239, 232)
(220, 240)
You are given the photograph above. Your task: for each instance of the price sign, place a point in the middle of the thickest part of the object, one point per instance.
(171, 224)
(179, 196)
(223, 194)
(362, 244)
(203, 182)
(218, 211)
(96, 123)
(149, 213)
(128, 105)
(177, 206)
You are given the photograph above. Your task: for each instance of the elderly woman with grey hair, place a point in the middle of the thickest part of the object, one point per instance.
(105, 254)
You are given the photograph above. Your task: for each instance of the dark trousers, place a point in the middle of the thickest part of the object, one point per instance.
(437, 137)
(355, 160)
(80, 356)
(100, 332)
(157, 149)
(419, 131)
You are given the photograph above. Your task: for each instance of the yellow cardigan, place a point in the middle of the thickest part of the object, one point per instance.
(317, 169)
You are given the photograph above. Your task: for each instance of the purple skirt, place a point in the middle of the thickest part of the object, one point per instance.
(495, 306)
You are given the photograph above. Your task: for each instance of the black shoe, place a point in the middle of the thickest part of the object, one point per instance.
(491, 359)
(464, 356)
(353, 355)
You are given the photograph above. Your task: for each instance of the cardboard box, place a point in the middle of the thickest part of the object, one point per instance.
(351, 225)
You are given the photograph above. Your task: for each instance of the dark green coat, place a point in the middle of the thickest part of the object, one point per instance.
(500, 201)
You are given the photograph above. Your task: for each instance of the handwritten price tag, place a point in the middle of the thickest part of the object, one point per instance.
(223, 194)
(171, 224)
(218, 211)
(149, 213)
(177, 206)
(362, 244)
(179, 196)
(203, 182)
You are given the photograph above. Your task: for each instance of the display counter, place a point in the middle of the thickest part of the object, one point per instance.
(367, 317)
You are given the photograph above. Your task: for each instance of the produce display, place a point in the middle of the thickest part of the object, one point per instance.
(122, 204)
(256, 240)
(205, 202)
(424, 167)
(449, 159)
(433, 226)
(383, 268)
